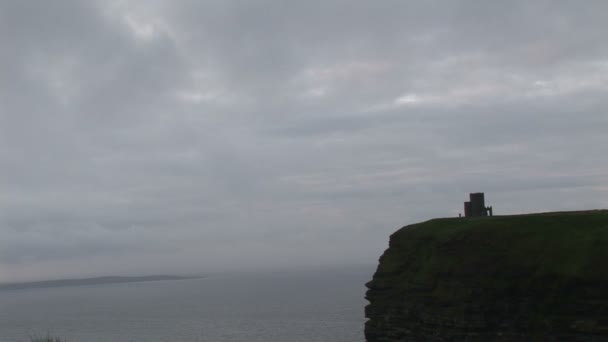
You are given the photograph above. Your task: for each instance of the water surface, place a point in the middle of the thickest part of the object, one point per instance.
(278, 307)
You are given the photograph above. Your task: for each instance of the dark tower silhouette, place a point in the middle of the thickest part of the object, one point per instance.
(467, 209)
(478, 204)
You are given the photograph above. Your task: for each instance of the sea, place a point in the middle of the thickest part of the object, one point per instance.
(305, 306)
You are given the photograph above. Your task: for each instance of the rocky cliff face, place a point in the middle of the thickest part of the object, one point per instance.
(513, 278)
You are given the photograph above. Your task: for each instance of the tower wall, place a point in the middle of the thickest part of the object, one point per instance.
(467, 209)
(478, 204)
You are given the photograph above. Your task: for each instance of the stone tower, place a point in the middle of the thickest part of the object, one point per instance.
(476, 206)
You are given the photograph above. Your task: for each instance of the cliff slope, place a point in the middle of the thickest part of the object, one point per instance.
(540, 277)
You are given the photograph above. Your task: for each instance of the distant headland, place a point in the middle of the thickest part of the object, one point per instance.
(91, 281)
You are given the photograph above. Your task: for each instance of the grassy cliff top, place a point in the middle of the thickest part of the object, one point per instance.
(571, 244)
(535, 277)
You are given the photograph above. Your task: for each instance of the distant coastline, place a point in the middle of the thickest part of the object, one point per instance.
(91, 281)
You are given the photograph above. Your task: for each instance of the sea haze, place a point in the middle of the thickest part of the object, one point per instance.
(283, 307)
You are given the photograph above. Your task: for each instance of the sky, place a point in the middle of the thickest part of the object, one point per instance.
(141, 137)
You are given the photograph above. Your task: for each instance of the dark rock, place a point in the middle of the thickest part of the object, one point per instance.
(536, 277)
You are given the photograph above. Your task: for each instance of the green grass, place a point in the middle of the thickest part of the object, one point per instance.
(553, 244)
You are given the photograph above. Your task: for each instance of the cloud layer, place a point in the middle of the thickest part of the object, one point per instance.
(188, 136)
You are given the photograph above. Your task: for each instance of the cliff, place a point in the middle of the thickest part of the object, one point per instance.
(507, 278)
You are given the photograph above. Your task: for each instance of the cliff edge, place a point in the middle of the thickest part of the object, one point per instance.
(505, 278)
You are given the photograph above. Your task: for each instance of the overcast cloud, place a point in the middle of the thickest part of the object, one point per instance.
(143, 137)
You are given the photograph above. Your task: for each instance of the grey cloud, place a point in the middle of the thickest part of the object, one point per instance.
(214, 135)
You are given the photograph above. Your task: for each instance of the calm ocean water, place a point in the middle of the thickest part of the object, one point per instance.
(279, 307)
